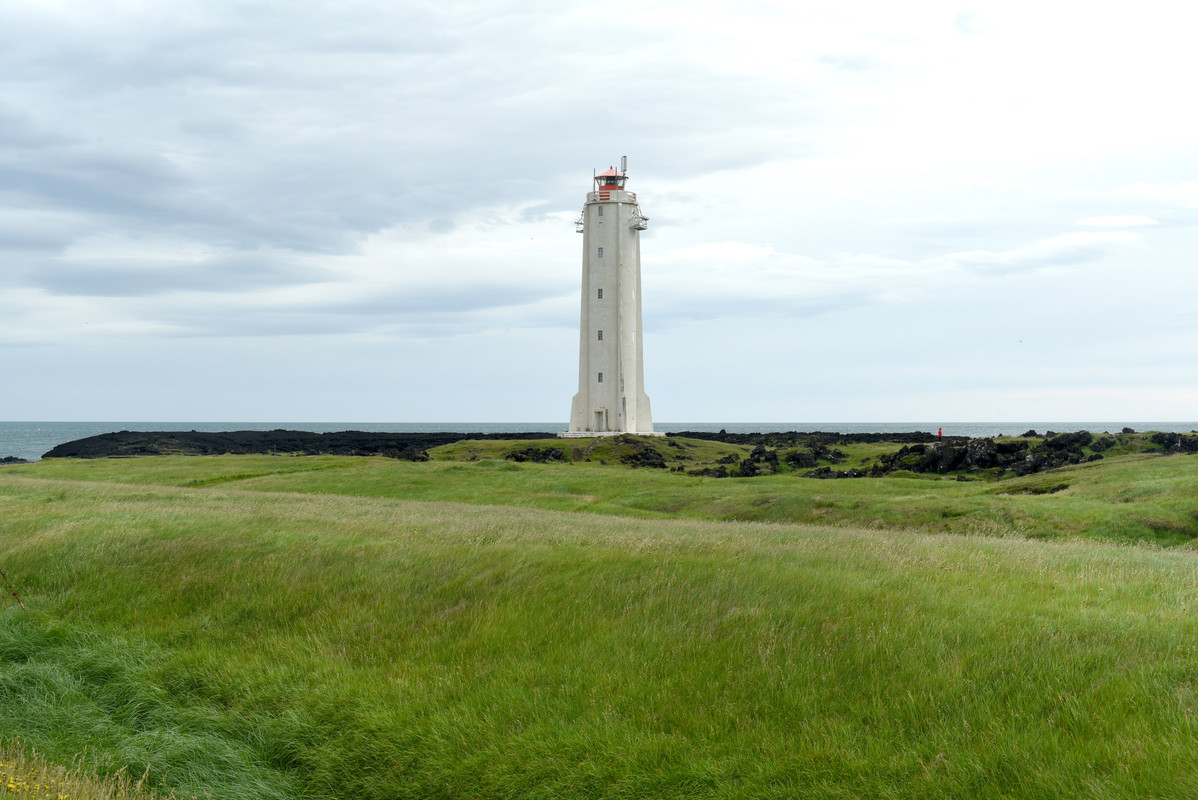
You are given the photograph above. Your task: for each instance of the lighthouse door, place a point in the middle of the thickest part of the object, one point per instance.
(601, 419)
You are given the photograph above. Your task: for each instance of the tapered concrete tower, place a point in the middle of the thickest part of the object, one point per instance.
(611, 396)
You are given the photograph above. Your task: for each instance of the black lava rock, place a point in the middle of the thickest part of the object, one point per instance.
(538, 455)
(339, 443)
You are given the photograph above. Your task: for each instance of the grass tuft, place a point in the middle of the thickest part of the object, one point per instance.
(25, 775)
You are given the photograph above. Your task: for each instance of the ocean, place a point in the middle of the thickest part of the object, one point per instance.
(29, 440)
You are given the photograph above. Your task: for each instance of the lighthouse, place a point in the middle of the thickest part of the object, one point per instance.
(611, 395)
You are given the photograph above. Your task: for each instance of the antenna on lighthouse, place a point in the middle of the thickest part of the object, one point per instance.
(623, 165)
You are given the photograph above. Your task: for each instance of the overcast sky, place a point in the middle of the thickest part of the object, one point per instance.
(363, 211)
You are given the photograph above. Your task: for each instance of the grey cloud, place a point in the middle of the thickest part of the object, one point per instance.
(96, 181)
(263, 135)
(147, 277)
(433, 301)
(662, 313)
(1059, 251)
(462, 310)
(18, 131)
(27, 233)
(285, 129)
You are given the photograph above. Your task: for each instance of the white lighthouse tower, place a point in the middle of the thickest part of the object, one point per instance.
(611, 395)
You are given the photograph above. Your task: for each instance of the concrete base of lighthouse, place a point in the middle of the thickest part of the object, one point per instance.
(595, 434)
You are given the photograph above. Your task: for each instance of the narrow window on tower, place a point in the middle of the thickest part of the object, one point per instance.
(601, 336)
(600, 294)
(601, 377)
(601, 252)
(601, 211)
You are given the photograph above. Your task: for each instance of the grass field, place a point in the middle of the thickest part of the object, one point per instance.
(1136, 497)
(270, 627)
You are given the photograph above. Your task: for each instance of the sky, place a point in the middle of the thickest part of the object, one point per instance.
(363, 211)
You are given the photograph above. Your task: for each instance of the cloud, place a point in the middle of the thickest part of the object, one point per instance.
(1124, 221)
(855, 62)
(1185, 194)
(1064, 250)
(966, 22)
(738, 279)
(264, 133)
(220, 178)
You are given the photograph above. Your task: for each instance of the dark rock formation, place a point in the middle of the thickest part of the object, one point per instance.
(13, 460)
(748, 468)
(644, 457)
(635, 451)
(978, 455)
(539, 455)
(815, 452)
(794, 439)
(340, 443)
(961, 455)
(761, 455)
(1175, 442)
(407, 454)
(1069, 441)
(827, 473)
(800, 459)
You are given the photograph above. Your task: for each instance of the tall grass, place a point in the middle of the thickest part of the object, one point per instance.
(27, 776)
(258, 644)
(1131, 498)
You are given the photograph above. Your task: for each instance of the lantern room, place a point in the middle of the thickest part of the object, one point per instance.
(610, 179)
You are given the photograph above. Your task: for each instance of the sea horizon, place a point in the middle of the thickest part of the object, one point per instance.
(31, 439)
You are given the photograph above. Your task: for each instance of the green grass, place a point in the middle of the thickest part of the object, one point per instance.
(363, 634)
(1131, 498)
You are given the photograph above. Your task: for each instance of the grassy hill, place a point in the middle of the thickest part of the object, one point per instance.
(269, 627)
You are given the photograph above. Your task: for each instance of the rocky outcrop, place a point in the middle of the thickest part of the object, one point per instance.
(13, 460)
(407, 454)
(795, 439)
(815, 452)
(761, 461)
(1175, 442)
(828, 472)
(982, 455)
(635, 451)
(340, 443)
(538, 455)
(638, 453)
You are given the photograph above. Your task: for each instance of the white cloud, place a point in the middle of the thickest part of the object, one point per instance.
(1185, 194)
(1064, 250)
(1118, 221)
